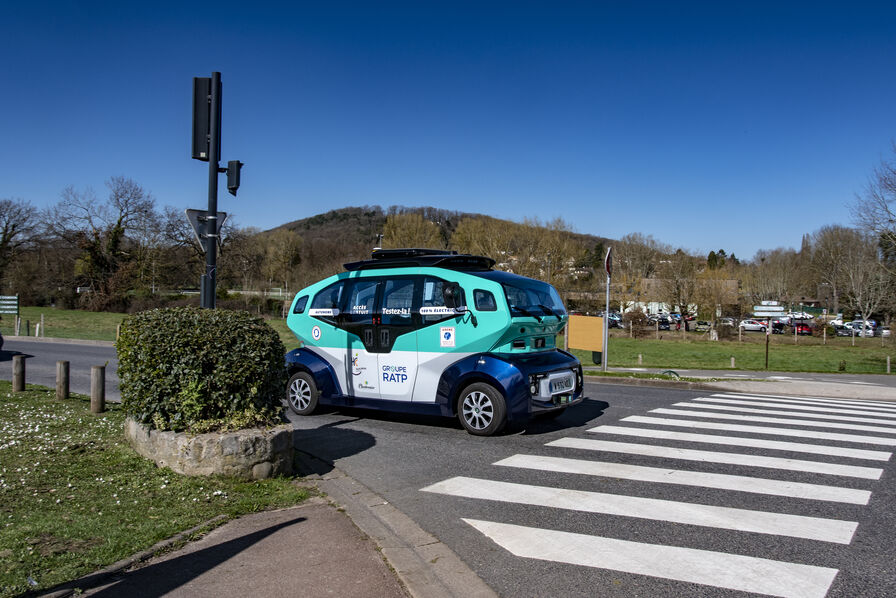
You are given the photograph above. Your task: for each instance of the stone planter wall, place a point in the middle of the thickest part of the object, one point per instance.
(251, 454)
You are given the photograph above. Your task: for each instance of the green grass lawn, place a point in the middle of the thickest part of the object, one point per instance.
(807, 354)
(74, 497)
(65, 323)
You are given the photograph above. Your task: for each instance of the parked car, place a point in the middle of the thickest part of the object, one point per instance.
(800, 315)
(882, 331)
(843, 330)
(703, 326)
(662, 323)
(803, 329)
(859, 328)
(726, 322)
(752, 325)
(777, 327)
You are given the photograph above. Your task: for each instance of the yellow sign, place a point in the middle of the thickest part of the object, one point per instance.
(586, 333)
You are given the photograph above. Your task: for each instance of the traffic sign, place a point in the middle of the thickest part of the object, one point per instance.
(769, 308)
(200, 216)
(769, 302)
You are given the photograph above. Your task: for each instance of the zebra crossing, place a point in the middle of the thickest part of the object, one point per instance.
(810, 439)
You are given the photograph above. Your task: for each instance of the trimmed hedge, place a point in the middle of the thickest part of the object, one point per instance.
(192, 369)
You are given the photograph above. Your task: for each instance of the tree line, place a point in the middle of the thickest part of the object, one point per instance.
(121, 251)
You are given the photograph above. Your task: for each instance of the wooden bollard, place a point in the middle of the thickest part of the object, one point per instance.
(888, 364)
(18, 373)
(97, 388)
(732, 362)
(640, 359)
(62, 380)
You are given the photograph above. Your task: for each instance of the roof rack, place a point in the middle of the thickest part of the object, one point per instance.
(439, 258)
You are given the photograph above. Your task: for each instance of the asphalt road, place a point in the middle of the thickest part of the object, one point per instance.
(41, 358)
(640, 517)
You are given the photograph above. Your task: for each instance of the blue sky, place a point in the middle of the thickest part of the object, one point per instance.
(706, 125)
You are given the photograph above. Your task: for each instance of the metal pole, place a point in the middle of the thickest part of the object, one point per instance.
(604, 360)
(768, 333)
(211, 223)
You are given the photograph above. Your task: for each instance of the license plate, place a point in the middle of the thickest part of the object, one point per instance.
(561, 384)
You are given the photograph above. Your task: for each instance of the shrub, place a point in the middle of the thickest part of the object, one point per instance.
(200, 369)
(635, 316)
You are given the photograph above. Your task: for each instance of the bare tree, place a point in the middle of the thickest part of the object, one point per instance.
(635, 258)
(678, 274)
(411, 230)
(17, 222)
(830, 247)
(772, 275)
(875, 208)
(99, 229)
(867, 281)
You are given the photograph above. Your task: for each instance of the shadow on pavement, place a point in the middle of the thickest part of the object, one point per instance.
(573, 417)
(317, 449)
(160, 578)
(8, 355)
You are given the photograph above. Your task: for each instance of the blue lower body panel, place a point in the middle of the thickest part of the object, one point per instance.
(511, 374)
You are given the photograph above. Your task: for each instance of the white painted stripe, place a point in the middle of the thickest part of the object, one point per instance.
(825, 416)
(668, 452)
(778, 445)
(701, 479)
(878, 405)
(690, 565)
(689, 423)
(741, 520)
(774, 420)
(796, 407)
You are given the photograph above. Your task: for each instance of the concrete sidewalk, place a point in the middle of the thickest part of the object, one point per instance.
(310, 550)
(361, 546)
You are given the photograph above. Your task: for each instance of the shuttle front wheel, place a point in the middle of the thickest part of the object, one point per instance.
(481, 409)
(302, 393)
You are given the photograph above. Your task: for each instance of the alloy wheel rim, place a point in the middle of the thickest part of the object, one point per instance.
(478, 410)
(300, 394)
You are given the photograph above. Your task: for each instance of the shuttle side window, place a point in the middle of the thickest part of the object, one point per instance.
(328, 300)
(484, 300)
(360, 306)
(398, 302)
(433, 308)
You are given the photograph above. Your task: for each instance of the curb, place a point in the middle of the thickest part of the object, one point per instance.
(626, 381)
(66, 341)
(427, 567)
(96, 578)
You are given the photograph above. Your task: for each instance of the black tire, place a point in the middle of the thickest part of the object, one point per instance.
(481, 409)
(302, 393)
(762, 330)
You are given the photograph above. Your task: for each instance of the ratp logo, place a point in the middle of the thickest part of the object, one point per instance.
(315, 333)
